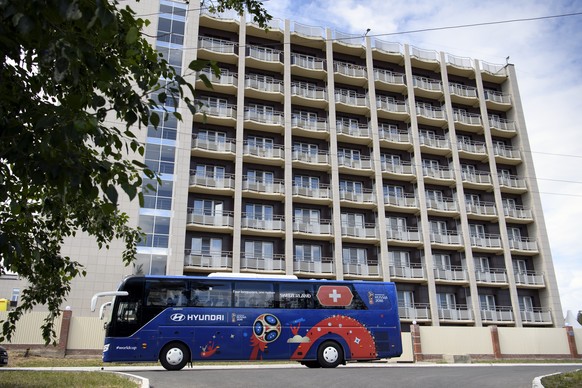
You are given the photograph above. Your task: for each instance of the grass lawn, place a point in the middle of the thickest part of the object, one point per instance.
(564, 380)
(62, 379)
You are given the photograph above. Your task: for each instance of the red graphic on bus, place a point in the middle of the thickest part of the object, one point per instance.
(340, 296)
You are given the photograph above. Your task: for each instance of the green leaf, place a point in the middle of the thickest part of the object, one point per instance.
(132, 35)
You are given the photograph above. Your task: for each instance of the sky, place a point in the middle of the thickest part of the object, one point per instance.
(547, 55)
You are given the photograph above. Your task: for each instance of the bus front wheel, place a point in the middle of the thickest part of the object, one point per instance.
(330, 354)
(174, 356)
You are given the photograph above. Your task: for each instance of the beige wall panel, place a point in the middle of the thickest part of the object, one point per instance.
(28, 330)
(407, 354)
(455, 340)
(578, 338)
(86, 333)
(533, 341)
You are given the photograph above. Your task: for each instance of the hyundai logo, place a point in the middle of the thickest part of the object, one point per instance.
(177, 317)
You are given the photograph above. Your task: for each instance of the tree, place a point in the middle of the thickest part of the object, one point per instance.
(579, 317)
(67, 65)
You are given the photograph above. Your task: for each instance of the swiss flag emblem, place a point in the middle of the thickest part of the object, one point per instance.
(340, 296)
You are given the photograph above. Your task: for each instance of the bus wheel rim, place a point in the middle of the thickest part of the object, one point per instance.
(330, 354)
(174, 356)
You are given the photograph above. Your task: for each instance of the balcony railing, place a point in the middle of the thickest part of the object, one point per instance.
(217, 45)
(486, 241)
(208, 260)
(391, 105)
(276, 186)
(491, 275)
(389, 77)
(457, 313)
(394, 135)
(431, 112)
(265, 54)
(416, 312)
(463, 90)
(274, 223)
(529, 278)
(361, 269)
(325, 266)
(498, 97)
(265, 85)
(349, 69)
(512, 181)
(435, 141)
(536, 315)
(447, 238)
(216, 181)
(310, 31)
(438, 173)
(319, 157)
(363, 196)
(427, 83)
(368, 230)
(225, 78)
(405, 200)
(502, 124)
(262, 263)
(497, 314)
(474, 147)
(519, 212)
(211, 107)
(215, 145)
(445, 205)
(506, 152)
(217, 219)
(307, 62)
(409, 234)
(523, 244)
(404, 167)
(410, 271)
(349, 97)
(304, 90)
(321, 192)
(323, 227)
(269, 118)
(355, 130)
(482, 208)
(274, 152)
(318, 124)
(452, 273)
(477, 177)
(363, 163)
(467, 118)
(422, 54)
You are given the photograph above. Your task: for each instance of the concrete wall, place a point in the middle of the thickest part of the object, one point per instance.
(85, 335)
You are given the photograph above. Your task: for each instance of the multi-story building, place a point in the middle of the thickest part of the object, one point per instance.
(325, 155)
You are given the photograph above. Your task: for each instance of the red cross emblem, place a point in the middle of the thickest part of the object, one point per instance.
(335, 296)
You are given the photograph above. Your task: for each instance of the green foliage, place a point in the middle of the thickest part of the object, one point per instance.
(69, 68)
(579, 317)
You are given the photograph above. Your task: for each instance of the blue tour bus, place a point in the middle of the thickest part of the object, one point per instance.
(319, 323)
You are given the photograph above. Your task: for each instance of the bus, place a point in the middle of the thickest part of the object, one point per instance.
(181, 319)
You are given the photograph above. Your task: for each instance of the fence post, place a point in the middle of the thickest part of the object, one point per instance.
(416, 344)
(495, 342)
(571, 341)
(64, 335)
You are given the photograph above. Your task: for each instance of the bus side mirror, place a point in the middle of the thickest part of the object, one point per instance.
(102, 309)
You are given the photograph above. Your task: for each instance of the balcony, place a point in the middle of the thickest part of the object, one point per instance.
(450, 274)
(321, 194)
(260, 225)
(486, 243)
(350, 44)
(497, 100)
(475, 150)
(265, 58)
(529, 279)
(273, 122)
(446, 240)
(391, 108)
(349, 74)
(419, 312)
(438, 175)
(308, 66)
(353, 133)
(218, 50)
(214, 111)
(219, 221)
(456, 313)
(364, 198)
(491, 276)
(506, 155)
(211, 183)
(482, 210)
(424, 59)
(393, 137)
(518, 214)
(497, 315)
(355, 233)
(272, 155)
(226, 83)
(461, 66)
(389, 81)
(215, 148)
(360, 166)
(413, 272)
(427, 87)
(431, 115)
(351, 102)
(324, 268)
(254, 188)
(407, 203)
(400, 171)
(276, 263)
(316, 127)
(307, 94)
(319, 160)
(303, 31)
(265, 88)
(467, 121)
(388, 51)
(512, 184)
(524, 246)
(442, 207)
(435, 144)
(361, 270)
(228, 20)
(501, 127)
(536, 316)
(491, 72)
(404, 237)
(313, 230)
(463, 94)
(209, 261)
(480, 180)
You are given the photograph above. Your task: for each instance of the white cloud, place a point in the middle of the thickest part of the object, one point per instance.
(548, 58)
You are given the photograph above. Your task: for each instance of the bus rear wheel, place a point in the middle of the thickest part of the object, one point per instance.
(174, 356)
(330, 354)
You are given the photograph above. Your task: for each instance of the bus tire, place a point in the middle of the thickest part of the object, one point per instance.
(330, 354)
(174, 356)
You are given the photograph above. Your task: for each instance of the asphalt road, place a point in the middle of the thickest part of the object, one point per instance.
(355, 375)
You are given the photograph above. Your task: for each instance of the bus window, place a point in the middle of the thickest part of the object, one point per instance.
(211, 293)
(254, 294)
(296, 296)
(167, 292)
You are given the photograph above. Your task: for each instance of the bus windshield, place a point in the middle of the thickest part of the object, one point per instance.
(178, 319)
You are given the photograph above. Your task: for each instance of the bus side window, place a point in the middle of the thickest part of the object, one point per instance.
(296, 296)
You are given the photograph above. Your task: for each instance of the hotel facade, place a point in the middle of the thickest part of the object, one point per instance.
(332, 156)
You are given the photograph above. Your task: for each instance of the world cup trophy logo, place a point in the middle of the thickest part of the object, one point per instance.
(266, 329)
